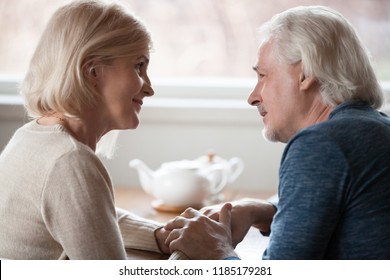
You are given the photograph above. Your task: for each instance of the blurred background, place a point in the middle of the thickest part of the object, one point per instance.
(201, 71)
(195, 38)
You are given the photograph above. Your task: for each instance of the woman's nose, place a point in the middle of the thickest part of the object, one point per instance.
(147, 87)
(148, 90)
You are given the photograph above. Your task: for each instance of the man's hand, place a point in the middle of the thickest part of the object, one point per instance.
(200, 237)
(244, 214)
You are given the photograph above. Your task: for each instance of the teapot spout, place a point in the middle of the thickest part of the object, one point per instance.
(145, 174)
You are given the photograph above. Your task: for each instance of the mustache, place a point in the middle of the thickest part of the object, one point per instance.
(261, 109)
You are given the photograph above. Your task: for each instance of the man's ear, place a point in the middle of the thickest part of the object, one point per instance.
(305, 82)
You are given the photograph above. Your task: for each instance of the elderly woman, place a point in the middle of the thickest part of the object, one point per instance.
(88, 76)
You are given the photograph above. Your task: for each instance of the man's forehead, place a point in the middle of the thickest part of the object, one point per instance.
(264, 47)
(262, 53)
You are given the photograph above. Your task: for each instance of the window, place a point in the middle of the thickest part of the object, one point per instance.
(205, 39)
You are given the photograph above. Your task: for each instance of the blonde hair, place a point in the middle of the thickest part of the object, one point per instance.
(76, 35)
(330, 51)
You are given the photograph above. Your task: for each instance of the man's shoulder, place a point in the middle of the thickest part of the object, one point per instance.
(339, 128)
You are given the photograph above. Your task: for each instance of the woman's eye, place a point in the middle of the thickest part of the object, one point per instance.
(139, 67)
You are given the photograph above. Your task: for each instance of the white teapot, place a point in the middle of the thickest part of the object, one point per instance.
(232, 167)
(184, 183)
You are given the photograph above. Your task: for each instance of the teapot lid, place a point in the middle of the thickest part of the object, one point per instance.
(210, 158)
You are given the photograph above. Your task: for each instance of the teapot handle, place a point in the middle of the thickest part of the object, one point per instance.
(237, 166)
(217, 185)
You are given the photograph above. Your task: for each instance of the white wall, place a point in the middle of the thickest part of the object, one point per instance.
(184, 120)
(155, 143)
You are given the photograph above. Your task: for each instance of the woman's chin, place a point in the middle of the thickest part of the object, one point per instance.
(134, 123)
(127, 124)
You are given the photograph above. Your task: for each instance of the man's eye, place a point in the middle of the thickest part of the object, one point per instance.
(260, 75)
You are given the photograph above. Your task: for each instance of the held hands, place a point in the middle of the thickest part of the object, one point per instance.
(241, 221)
(214, 231)
(200, 237)
(161, 235)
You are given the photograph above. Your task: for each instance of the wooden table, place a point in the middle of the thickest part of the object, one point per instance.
(135, 200)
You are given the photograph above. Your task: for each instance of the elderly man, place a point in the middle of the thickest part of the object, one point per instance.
(318, 93)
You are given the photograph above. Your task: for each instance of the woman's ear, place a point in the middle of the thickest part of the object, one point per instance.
(305, 82)
(91, 72)
(90, 68)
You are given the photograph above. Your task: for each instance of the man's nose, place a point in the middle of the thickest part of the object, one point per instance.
(254, 98)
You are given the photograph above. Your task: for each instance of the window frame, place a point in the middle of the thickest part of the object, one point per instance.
(177, 101)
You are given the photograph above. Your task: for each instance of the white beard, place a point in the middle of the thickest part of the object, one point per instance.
(269, 134)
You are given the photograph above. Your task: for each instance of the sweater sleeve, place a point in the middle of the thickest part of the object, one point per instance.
(178, 255)
(312, 175)
(78, 209)
(137, 232)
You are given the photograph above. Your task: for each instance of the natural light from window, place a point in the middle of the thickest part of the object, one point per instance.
(195, 38)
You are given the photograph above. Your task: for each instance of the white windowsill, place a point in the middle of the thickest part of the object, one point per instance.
(202, 101)
(169, 109)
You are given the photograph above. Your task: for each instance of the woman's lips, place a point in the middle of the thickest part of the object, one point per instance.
(138, 104)
(138, 101)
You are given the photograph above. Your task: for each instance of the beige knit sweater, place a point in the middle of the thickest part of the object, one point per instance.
(56, 201)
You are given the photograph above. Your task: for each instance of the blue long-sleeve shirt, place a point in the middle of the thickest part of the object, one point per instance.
(334, 189)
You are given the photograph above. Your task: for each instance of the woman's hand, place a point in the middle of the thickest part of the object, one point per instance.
(161, 235)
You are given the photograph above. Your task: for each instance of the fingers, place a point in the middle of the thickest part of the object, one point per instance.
(192, 228)
(190, 213)
(177, 222)
(180, 221)
(225, 215)
(172, 239)
(160, 235)
(206, 211)
(177, 244)
(211, 213)
(178, 228)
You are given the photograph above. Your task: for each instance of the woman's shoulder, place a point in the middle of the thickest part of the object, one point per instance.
(77, 167)
(56, 141)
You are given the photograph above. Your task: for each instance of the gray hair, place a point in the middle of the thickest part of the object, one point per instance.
(329, 49)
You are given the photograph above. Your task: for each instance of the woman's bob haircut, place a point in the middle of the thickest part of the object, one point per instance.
(79, 35)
